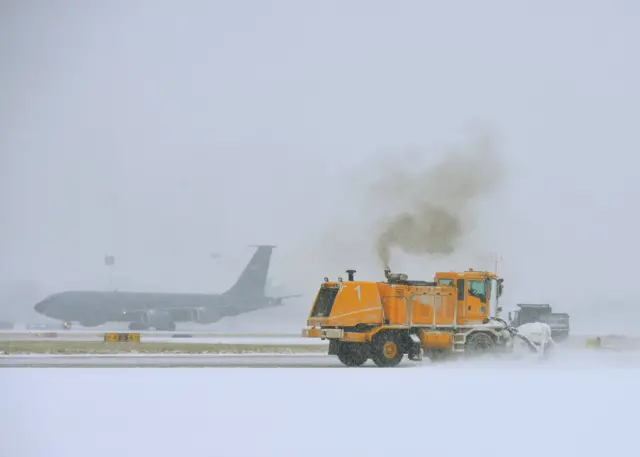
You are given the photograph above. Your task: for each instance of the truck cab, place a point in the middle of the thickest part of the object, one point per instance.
(478, 291)
(528, 313)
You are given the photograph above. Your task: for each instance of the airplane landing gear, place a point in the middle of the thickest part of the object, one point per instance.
(137, 326)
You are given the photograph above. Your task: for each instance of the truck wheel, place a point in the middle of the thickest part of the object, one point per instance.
(352, 354)
(478, 343)
(387, 350)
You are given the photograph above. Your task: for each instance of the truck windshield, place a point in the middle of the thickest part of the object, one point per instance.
(478, 289)
(324, 302)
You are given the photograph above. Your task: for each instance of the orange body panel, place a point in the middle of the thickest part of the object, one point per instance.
(363, 308)
(355, 303)
(394, 302)
(361, 302)
(434, 307)
(435, 340)
(356, 337)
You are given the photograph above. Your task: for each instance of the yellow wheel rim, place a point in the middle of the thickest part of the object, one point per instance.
(389, 349)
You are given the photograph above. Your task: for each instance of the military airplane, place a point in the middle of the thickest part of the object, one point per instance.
(161, 311)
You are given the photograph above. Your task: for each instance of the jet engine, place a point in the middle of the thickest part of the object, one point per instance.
(202, 316)
(157, 319)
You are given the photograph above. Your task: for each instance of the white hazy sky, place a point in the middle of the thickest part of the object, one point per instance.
(161, 131)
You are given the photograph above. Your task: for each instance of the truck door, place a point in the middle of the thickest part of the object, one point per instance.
(477, 300)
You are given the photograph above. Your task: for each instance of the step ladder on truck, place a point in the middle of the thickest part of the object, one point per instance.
(456, 313)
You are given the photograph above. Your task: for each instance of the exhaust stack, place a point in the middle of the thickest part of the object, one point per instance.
(395, 277)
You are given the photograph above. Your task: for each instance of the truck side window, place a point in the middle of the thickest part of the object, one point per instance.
(460, 289)
(478, 289)
(446, 282)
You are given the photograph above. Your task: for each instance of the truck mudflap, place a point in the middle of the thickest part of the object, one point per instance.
(415, 352)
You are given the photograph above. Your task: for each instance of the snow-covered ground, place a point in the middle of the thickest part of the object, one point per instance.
(522, 408)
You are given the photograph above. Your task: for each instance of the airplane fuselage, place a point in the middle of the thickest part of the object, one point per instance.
(92, 308)
(162, 310)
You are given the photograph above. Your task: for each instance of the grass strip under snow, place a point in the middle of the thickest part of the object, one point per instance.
(100, 347)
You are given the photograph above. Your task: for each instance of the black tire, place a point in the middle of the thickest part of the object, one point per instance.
(353, 354)
(387, 350)
(479, 343)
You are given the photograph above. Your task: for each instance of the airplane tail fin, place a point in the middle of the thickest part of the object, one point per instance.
(253, 280)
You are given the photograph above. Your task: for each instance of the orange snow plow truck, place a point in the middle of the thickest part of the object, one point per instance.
(456, 313)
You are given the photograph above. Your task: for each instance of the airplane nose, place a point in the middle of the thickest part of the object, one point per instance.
(41, 307)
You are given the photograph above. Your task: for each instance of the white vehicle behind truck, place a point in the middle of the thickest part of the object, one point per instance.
(529, 313)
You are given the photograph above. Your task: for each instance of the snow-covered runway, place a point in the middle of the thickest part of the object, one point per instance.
(563, 358)
(526, 408)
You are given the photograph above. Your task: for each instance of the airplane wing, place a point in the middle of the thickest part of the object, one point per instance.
(278, 300)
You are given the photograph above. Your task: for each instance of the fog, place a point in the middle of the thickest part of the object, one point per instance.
(160, 133)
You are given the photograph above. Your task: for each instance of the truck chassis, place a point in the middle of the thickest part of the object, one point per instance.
(387, 345)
